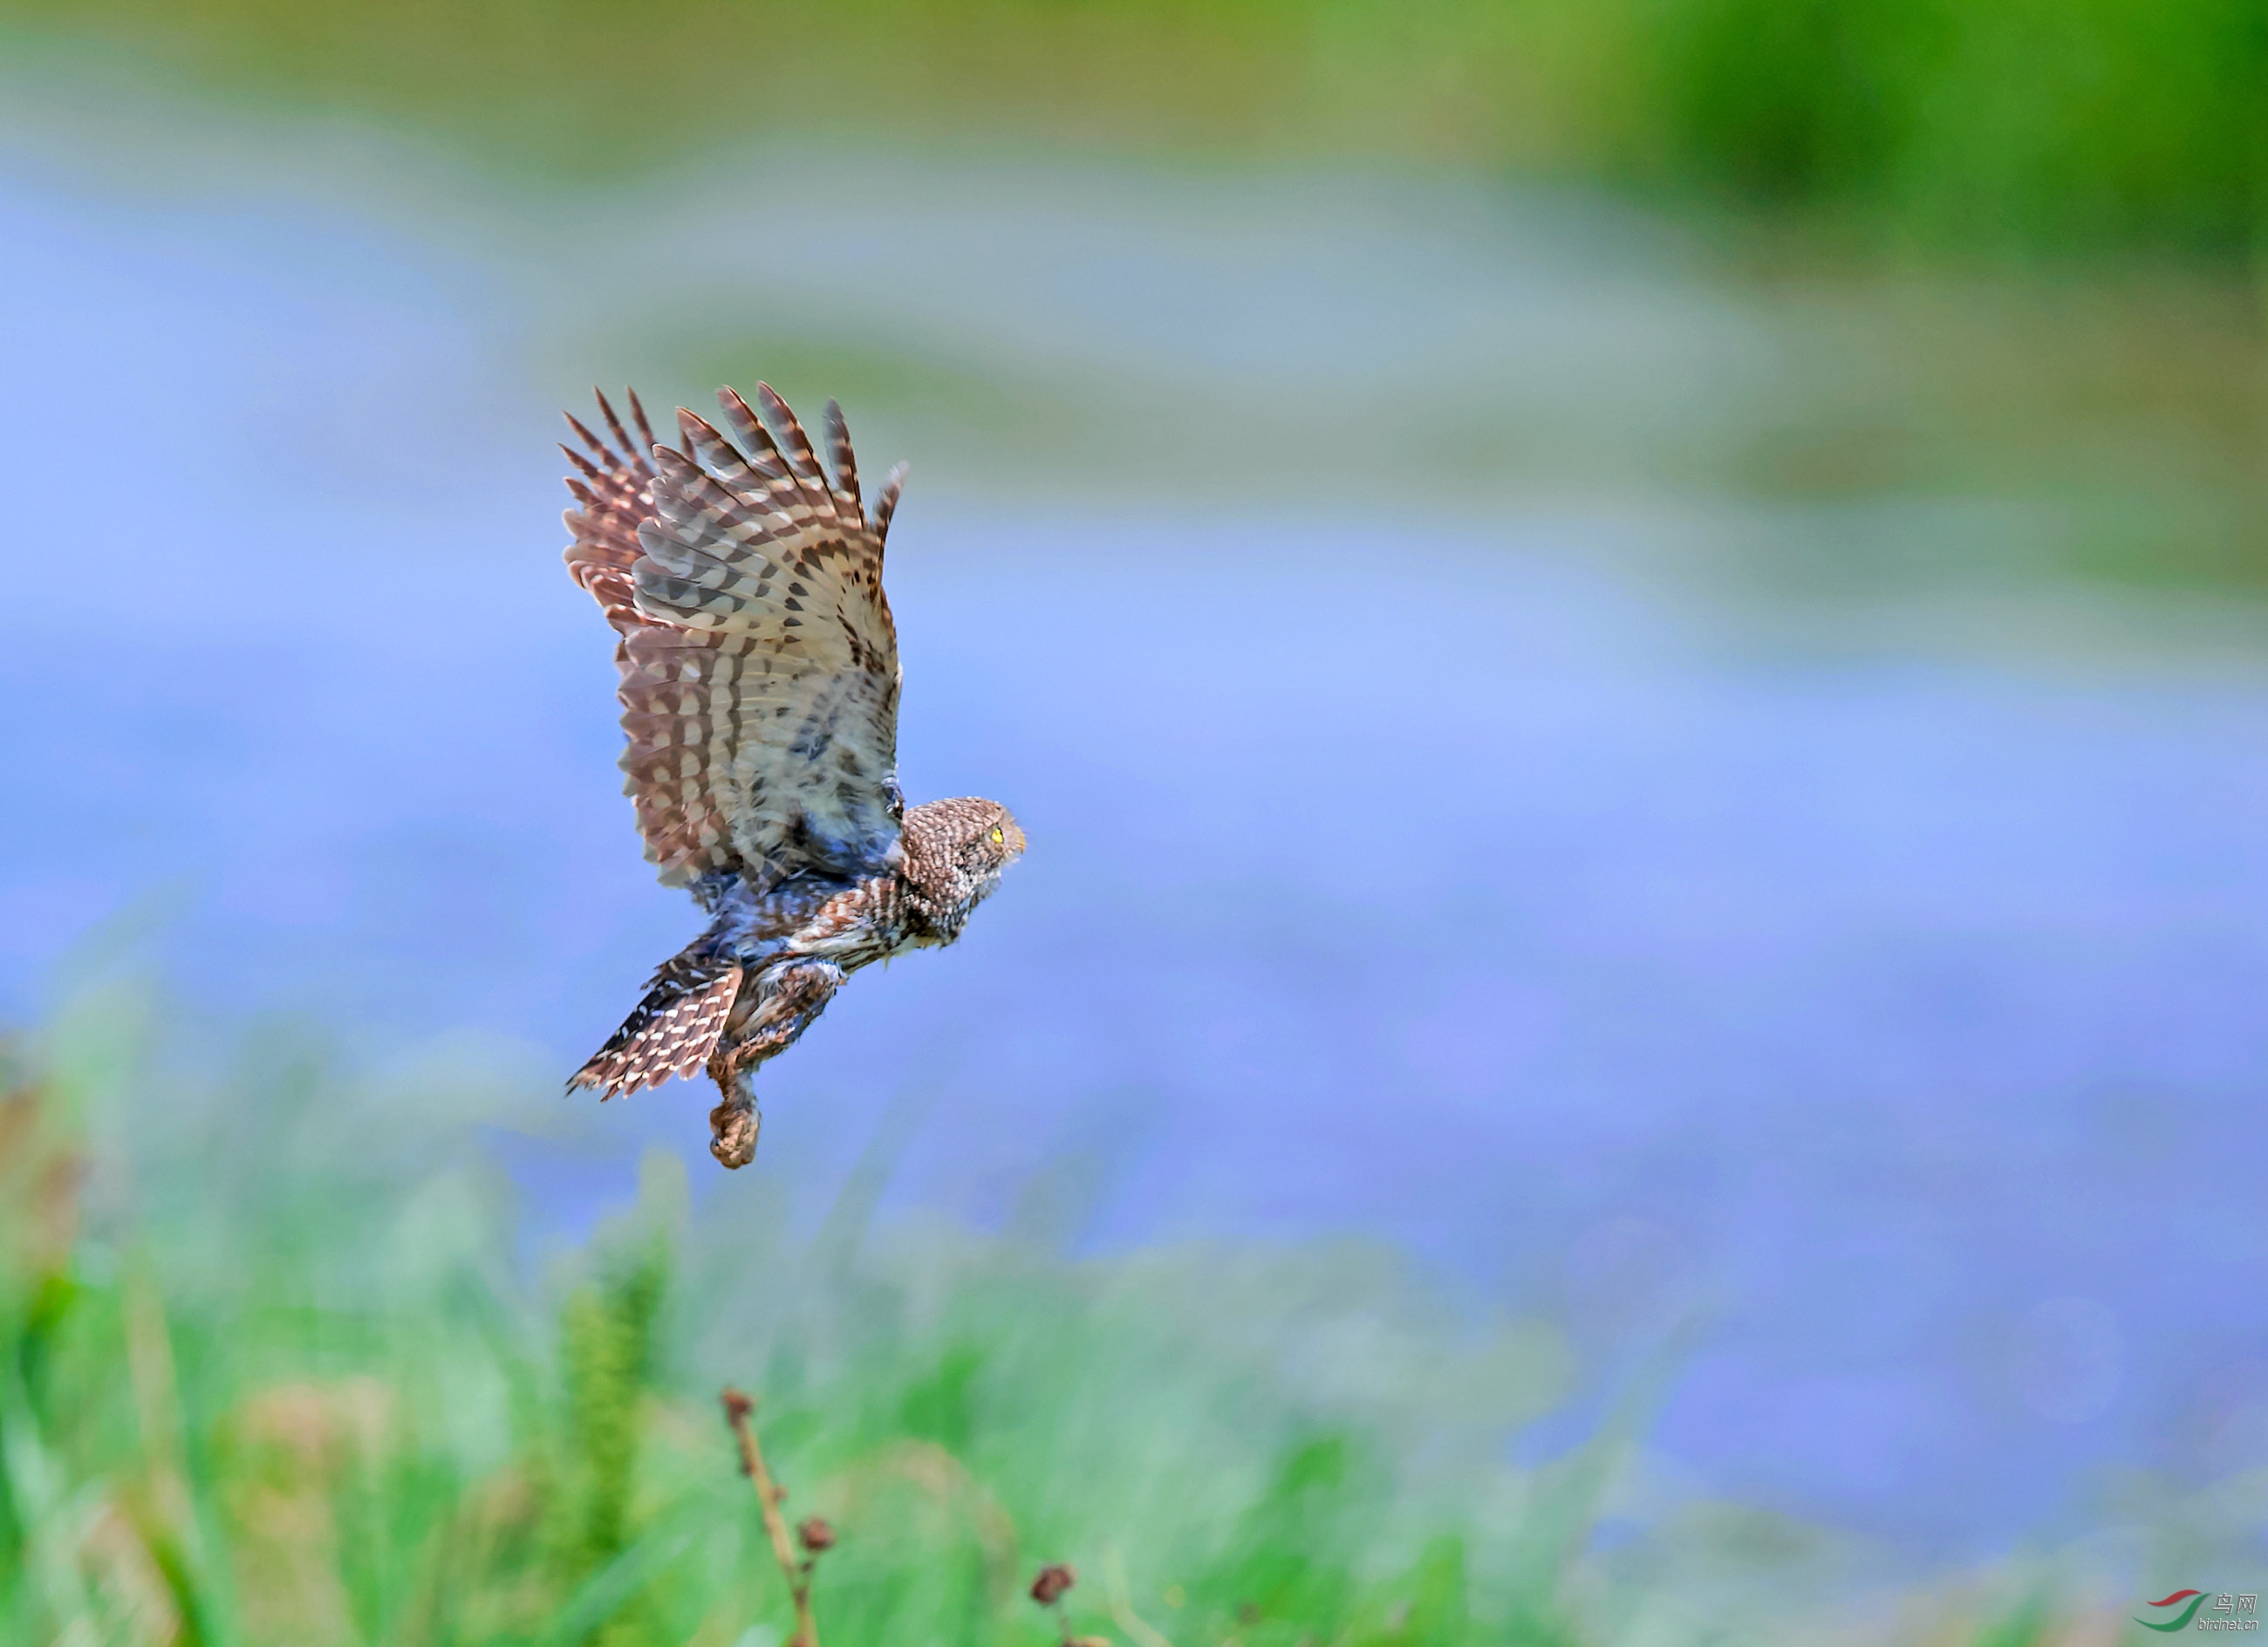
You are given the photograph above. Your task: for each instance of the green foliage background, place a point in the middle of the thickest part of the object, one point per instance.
(2009, 247)
(1993, 122)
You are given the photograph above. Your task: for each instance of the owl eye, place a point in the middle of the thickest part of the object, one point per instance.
(996, 836)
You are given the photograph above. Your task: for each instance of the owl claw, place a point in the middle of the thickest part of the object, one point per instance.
(734, 1125)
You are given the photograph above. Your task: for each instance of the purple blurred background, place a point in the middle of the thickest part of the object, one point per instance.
(1870, 979)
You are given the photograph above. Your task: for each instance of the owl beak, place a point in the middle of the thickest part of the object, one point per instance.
(1015, 840)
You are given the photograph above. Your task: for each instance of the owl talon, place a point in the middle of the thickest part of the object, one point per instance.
(734, 1125)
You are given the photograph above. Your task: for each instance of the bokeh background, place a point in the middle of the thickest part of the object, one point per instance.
(1629, 637)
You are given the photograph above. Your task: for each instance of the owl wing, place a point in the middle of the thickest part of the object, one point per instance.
(759, 662)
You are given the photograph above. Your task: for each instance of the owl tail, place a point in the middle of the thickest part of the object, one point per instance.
(674, 1030)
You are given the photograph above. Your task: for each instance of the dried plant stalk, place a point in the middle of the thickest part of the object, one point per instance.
(739, 1412)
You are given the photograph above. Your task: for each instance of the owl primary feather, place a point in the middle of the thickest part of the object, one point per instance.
(759, 664)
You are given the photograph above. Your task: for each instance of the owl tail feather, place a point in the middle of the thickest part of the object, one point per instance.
(673, 1031)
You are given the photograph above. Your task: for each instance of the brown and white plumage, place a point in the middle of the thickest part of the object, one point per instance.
(759, 685)
(748, 593)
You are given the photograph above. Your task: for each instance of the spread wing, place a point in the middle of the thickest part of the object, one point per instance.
(759, 662)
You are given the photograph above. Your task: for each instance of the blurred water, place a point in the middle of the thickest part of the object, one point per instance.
(1403, 861)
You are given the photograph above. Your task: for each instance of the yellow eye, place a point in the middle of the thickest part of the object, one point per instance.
(996, 836)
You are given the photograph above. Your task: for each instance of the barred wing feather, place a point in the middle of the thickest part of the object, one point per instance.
(759, 662)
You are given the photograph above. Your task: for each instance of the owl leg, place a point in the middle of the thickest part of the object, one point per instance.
(788, 996)
(734, 1122)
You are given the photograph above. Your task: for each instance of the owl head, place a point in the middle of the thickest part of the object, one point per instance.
(955, 851)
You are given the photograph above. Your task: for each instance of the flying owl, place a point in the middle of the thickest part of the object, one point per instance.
(760, 695)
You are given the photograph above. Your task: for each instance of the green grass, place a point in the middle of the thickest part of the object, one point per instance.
(1993, 122)
(275, 1369)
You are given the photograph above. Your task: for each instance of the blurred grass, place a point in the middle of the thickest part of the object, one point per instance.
(2099, 122)
(274, 1371)
(2131, 401)
(2126, 407)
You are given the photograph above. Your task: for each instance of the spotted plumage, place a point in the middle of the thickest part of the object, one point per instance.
(759, 687)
